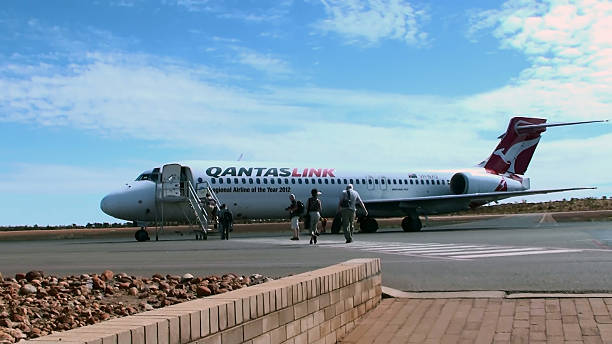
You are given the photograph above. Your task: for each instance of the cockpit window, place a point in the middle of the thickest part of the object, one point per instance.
(152, 176)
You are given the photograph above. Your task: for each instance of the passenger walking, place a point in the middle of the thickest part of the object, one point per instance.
(296, 208)
(314, 209)
(347, 208)
(226, 222)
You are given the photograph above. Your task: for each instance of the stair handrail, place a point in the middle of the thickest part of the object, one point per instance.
(200, 211)
(212, 194)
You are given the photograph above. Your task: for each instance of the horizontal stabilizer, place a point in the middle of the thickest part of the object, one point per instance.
(529, 127)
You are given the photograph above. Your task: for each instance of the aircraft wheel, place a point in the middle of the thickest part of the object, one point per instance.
(141, 235)
(411, 224)
(368, 224)
(336, 224)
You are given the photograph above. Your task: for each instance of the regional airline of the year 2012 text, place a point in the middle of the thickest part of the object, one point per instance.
(260, 190)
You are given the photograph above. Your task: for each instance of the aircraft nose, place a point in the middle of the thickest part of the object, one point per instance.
(107, 205)
(134, 202)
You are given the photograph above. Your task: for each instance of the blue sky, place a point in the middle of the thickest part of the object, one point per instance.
(94, 92)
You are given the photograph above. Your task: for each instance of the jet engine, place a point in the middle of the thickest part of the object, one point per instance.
(469, 183)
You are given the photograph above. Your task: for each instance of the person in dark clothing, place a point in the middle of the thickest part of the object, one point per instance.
(226, 222)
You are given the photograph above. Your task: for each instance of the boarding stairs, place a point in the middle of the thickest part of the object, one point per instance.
(200, 207)
(178, 190)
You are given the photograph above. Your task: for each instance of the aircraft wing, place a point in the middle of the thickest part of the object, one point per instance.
(444, 203)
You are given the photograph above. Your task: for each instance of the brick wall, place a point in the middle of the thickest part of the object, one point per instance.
(318, 306)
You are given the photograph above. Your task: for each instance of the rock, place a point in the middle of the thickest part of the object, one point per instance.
(53, 291)
(1, 278)
(187, 278)
(109, 290)
(133, 291)
(16, 333)
(27, 289)
(19, 276)
(202, 291)
(35, 332)
(34, 275)
(5, 337)
(98, 284)
(107, 275)
(19, 318)
(125, 285)
(138, 284)
(164, 286)
(6, 323)
(85, 277)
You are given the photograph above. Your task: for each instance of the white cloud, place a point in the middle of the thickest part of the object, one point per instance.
(570, 50)
(263, 62)
(371, 21)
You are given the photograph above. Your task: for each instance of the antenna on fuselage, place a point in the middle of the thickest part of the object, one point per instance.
(240, 157)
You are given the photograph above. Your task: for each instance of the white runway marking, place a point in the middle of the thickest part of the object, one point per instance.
(459, 251)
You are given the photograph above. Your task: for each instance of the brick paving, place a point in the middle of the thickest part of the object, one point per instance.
(486, 320)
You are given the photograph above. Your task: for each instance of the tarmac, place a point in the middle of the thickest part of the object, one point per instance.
(486, 317)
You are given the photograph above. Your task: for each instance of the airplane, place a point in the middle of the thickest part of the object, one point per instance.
(259, 190)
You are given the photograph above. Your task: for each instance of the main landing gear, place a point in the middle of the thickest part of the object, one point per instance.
(366, 223)
(141, 235)
(411, 224)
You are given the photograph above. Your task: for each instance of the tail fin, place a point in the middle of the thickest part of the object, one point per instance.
(518, 144)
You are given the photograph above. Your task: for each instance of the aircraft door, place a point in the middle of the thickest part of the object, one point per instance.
(171, 181)
(370, 183)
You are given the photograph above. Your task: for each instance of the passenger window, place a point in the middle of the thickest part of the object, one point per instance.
(351, 180)
(229, 180)
(250, 180)
(394, 181)
(299, 181)
(292, 180)
(369, 181)
(271, 180)
(356, 181)
(286, 180)
(258, 180)
(326, 181)
(265, 180)
(280, 181)
(306, 181)
(382, 181)
(220, 180)
(375, 181)
(243, 180)
(422, 182)
(313, 180)
(411, 182)
(213, 181)
(345, 181)
(400, 181)
(363, 181)
(333, 181)
(235, 180)
(320, 181)
(443, 182)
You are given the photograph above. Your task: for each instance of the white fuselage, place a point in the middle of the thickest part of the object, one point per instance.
(261, 190)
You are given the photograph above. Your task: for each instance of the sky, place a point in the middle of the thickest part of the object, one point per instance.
(92, 93)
